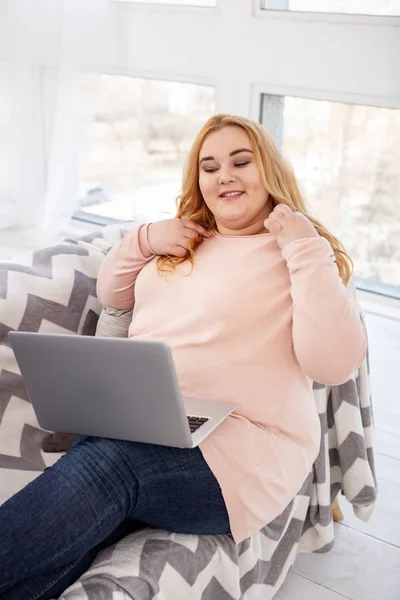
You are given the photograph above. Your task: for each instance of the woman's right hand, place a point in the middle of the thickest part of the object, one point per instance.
(173, 236)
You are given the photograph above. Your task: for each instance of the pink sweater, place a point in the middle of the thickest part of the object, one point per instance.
(254, 325)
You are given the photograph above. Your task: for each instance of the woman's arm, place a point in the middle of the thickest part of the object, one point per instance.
(328, 336)
(120, 268)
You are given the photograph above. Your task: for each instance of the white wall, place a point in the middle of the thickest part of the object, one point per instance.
(243, 51)
(237, 47)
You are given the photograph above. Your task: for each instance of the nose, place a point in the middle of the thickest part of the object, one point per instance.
(225, 176)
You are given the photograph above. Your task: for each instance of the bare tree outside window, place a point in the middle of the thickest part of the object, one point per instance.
(346, 158)
(141, 134)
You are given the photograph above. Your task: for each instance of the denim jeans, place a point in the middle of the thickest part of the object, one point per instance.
(97, 493)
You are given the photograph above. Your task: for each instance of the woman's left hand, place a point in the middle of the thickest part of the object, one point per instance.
(287, 226)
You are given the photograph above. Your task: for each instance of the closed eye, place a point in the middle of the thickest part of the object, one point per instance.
(213, 169)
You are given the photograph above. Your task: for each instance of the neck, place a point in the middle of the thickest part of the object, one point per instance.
(253, 229)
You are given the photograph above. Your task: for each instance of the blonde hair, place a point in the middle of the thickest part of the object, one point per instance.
(277, 176)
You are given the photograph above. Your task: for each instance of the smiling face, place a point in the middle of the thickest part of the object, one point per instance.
(230, 183)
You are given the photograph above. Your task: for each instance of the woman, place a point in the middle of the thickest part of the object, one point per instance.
(254, 297)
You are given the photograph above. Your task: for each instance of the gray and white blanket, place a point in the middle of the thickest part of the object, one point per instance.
(53, 290)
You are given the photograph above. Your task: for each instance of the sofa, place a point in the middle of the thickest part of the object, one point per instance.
(53, 290)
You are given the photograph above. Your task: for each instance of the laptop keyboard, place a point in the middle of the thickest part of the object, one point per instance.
(196, 422)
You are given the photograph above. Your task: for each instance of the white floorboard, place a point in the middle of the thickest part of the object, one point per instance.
(299, 588)
(359, 567)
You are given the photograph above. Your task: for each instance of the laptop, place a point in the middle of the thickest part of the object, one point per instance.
(119, 388)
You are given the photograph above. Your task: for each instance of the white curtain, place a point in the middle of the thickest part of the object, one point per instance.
(45, 107)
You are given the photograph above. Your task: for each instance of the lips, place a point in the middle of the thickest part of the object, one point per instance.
(231, 195)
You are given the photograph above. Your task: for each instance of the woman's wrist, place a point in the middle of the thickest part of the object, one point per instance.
(144, 244)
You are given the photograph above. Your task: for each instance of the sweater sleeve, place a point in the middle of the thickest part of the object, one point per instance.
(120, 268)
(328, 335)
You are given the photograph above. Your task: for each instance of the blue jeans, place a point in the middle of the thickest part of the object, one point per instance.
(97, 493)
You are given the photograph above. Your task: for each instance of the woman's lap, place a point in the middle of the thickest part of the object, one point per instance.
(176, 489)
(85, 497)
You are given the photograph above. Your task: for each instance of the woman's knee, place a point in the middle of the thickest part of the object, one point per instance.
(100, 460)
(98, 449)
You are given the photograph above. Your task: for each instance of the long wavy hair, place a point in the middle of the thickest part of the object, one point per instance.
(278, 178)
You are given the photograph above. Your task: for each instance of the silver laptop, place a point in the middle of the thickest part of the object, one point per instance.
(112, 387)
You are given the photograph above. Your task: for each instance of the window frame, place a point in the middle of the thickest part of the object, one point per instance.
(300, 15)
(338, 87)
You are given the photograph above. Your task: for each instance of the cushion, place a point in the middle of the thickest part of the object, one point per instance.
(113, 322)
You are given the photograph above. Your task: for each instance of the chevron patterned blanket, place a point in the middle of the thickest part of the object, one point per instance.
(53, 290)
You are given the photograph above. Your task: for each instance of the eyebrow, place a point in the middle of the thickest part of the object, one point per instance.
(230, 154)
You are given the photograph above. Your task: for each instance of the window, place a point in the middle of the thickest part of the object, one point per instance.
(141, 134)
(346, 159)
(360, 7)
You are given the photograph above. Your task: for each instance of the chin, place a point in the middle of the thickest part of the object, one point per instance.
(233, 218)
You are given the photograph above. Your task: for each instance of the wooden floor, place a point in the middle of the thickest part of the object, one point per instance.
(365, 561)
